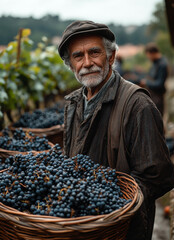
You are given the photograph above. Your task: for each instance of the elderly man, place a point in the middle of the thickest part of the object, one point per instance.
(114, 121)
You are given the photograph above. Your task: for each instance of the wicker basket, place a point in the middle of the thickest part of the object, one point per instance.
(114, 226)
(53, 134)
(4, 153)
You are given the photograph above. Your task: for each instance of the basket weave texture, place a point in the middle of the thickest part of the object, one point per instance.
(53, 134)
(114, 226)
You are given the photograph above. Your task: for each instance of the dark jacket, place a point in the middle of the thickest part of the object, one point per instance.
(125, 131)
(155, 82)
(157, 75)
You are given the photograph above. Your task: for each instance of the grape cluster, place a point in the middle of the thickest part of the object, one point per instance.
(41, 118)
(52, 184)
(22, 142)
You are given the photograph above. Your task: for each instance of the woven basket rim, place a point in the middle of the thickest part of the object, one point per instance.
(122, 213)
(10, 152)
(58, 127)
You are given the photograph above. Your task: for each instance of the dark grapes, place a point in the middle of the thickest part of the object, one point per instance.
(42, 118)
(22, 142)
(52, 184)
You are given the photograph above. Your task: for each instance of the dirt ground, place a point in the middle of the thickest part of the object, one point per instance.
(162, 225)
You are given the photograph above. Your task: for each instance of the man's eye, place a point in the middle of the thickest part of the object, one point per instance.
(78, 57)
(94, 53)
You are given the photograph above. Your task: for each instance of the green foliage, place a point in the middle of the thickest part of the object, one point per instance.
(164, 43)
(159, 21)
(52, 25)
(158, 27)
(38, 74)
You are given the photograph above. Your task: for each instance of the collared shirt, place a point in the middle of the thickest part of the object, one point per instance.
(90, 105)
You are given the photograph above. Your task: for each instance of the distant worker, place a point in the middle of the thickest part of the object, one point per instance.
(155, 80)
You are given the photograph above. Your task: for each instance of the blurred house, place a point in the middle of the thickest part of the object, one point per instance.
(130, 50)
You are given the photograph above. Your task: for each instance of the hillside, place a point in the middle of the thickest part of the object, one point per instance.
(51, 26)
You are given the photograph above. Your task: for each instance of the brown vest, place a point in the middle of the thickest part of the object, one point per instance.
(116, 144)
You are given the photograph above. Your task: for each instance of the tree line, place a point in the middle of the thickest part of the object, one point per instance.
(52, 25)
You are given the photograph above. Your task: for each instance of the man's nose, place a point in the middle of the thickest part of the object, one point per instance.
(87, 61)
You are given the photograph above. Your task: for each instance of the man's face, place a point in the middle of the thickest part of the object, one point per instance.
(150, 56)
(89, 60)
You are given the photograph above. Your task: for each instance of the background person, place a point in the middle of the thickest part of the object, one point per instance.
(113, 121)
(155, 79)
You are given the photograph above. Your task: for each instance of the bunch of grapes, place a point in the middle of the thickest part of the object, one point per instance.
(52, 184)
(23, 142)
(41, 118)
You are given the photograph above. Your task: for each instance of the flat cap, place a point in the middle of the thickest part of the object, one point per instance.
(83, 27)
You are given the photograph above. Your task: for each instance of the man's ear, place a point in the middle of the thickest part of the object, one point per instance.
(112, 58)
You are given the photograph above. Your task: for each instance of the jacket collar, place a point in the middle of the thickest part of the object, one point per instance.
(109, 96)
(75, 95)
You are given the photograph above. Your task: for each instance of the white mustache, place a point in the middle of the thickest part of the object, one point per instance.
(91, 70)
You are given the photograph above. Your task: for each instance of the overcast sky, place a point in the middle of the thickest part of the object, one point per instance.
(117, 11)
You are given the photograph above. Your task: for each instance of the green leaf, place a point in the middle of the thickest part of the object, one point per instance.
(44, 39)
(11, 85)
(9, 48)
(2, 81)
(4, 58)
(3, 96)
(26, 32)
(28, 43)
(38, 86)
(1, 114)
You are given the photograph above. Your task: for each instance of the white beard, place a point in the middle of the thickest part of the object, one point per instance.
(92, 80)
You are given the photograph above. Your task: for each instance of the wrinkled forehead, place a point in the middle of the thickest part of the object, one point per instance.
(85, 41)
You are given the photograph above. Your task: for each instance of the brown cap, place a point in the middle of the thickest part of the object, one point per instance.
(83, 27)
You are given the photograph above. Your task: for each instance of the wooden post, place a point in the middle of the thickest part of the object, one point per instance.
(19, 46)
(170, 18)
(172, 214)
